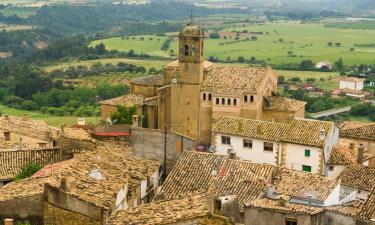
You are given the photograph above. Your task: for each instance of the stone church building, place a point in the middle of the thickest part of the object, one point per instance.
(193, 94)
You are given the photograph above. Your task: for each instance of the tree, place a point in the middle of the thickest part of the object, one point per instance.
(306, 64)
(339, 64)
(337, 44)
(329, 44)
(123, 115)
(100, 49)
(254, 38)
(241, 59)
(310, 80)
(281, 40)
(28, 170)
(280, 79)
(214, 35)
(299, 94)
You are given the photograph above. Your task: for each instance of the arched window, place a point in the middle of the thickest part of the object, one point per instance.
(204, 96)
(193, 51)
(186, 50)
(202, 48)
(251, 98)
(245, 98)
(234, 101)
(223, 101)
(217, 101)
(209, 97)
(229, 101)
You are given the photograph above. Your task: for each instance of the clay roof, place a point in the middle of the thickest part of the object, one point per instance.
(192, 29)
(368, 209)
(299, 184)
(352, 79)
(77, 134)
(162, 212)
(342, 155)
(125, 100)
(353, 209)
(38, 129)
(265, 203)
(234, 80)
(300, 131)
(282, 104)
(194, 172)
(12, 162)
(251, 128)
(116, 166)
(157, 80)
(306, 132)
(358, 176)
(360, 130)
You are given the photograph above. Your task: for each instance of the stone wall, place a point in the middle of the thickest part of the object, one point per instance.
(67, 145)
(28, 208)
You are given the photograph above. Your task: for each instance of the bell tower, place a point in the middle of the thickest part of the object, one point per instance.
(191, 44)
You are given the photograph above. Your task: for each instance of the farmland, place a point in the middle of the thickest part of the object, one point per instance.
(277, 43)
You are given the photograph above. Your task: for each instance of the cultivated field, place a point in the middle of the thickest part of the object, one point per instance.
(14, 27)
(280, 43)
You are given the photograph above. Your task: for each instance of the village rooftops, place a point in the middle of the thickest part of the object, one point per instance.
(38, 129)
(358, 176)
(157, 80)
(282, 104)
(125, 100)
(234, 80)
(352, 79)
(76, 133)
(343, 155)
(368, 209)
(359, 130)
(12, 162)
(299, 131)
(163, 212)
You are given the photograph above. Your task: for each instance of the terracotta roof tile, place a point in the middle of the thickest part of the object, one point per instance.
(157, 80)
(282, 104)
(352, 79)
(360, 130)
(358, 176)
(368, 209)
(342, 155)
(126, 100)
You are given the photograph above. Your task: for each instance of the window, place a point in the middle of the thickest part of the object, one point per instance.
(225, 140)
(251, 98)
(247, 143)
(186, 50)
(6, 136)
(217, 101)
(290, 222)
(331, 168)
(223, 101)
(42, 145)
(307, 152)
(245, 98)
(204, 96)
(229, 101)
(306, 168)
(268, 146)
(234, 101)
(209, 97)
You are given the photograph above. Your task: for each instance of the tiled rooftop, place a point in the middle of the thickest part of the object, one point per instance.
(234, 80)
(126, 100)
(360, 130)
(368, 209)
(282, 104)
(163, 212)
(352, 79)
(300, 131)
(77, 134)
(157, 80)
(38, 129)
(358, 176)
(343, 155)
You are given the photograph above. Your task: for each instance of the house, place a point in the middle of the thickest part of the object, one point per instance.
(192, 94)
(303, 144)
(324, 65)
(355, 133)
(190, 209)
(342, 156)
(358, 180)
(13, 161)
(84, 190)
(351, 83)
(22, 132)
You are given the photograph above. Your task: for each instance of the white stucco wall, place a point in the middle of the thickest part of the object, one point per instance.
(121, 198)
(334, 197)
(295, 157)
(345, 191)
(255, 154)
(337, 169)
(351, 85)
(143, 188)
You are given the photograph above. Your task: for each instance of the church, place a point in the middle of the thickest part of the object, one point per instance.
(193, 94)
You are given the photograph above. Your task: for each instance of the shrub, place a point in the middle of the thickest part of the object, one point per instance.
(28, 170)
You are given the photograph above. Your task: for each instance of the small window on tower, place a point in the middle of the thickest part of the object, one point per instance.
(245, 98)
(217, 101)
(192, 51)
(251, 98)
(229, 101)
(204, 96)
(186, 50)
(223, 101)
(6, 136)
(209, 97)
(234, 101)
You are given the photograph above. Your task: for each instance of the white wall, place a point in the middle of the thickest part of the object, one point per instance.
(334, 197)
(255, 154)
(121, 198)
(143, 188)
(351, 85)
(295, 157)
(337, 169)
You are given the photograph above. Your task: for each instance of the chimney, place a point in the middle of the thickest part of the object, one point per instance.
(232, 155)
(8, 222)
(260, 129)
(361, 154)
(351, 146)
(322, 134)
(135, 121)
(283, 200)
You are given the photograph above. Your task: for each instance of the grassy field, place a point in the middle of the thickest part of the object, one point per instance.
(304, 41)
(12, 27)
(51, 120)
(158, 64)
(22, 11)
